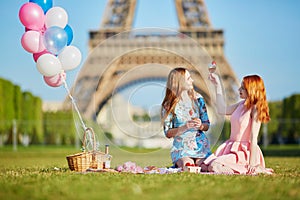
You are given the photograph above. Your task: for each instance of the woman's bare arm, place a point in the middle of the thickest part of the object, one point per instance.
(222, 108)
(253, 140)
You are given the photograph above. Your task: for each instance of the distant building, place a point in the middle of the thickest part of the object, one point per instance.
(117, 118)
(52, 106)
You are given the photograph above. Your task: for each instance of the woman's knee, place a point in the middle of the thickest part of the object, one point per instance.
(183, 161)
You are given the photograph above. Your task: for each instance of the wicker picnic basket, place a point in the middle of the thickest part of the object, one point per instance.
(87, 159)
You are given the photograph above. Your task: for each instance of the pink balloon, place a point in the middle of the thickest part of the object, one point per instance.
(32, 42)
(32, 16)
(37, 55)
(42, 31)
(56, 80)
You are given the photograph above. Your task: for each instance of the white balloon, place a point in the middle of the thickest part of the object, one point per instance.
(56, 16)
(48, 65)
(70, 57)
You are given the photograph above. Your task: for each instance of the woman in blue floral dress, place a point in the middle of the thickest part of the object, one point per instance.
(185, 119)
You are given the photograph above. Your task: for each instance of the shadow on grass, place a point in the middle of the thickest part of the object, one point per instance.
(279, 151)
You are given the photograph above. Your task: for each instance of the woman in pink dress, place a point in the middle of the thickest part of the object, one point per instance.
(240, 154)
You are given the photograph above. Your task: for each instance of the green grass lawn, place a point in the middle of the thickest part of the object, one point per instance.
(42, 173)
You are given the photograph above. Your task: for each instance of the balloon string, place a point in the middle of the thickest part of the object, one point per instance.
(78, 113)
(73, 102)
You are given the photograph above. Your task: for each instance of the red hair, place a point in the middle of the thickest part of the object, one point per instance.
(256, 91)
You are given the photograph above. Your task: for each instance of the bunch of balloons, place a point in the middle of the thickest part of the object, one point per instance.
(48, 36)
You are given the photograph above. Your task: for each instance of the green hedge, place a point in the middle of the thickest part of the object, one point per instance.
(25, 109)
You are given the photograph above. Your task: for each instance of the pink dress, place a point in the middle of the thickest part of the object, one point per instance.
(234, 153)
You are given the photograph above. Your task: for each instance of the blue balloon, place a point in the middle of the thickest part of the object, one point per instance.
(55, 39)
(69, 32)
(44, 4)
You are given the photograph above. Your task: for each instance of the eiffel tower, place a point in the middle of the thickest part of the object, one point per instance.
(116, 50)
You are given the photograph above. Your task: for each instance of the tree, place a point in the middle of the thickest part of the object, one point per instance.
(38, 136)
(18, 106)
(294, 116)
(2, 116)
(59, 127)
(27, 125)
(2, 104)
(8, 108)
(274, 133)
(290, 118)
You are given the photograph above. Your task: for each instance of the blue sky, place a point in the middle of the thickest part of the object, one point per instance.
(261, 37)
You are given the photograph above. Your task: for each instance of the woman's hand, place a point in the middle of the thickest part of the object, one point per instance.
(195, 123)
(251, 169)
(214, 78)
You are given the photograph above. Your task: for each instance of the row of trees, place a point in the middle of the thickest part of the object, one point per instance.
(22, 112)
(16, 105)
(284, 127)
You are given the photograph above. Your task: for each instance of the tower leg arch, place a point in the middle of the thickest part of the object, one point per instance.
(118, 63)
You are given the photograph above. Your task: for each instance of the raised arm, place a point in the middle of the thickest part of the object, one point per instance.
(222, 108)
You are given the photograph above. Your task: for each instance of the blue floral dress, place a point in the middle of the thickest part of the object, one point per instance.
(192, 143)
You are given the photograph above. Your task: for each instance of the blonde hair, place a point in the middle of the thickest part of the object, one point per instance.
(175, 83)
(256, 91)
